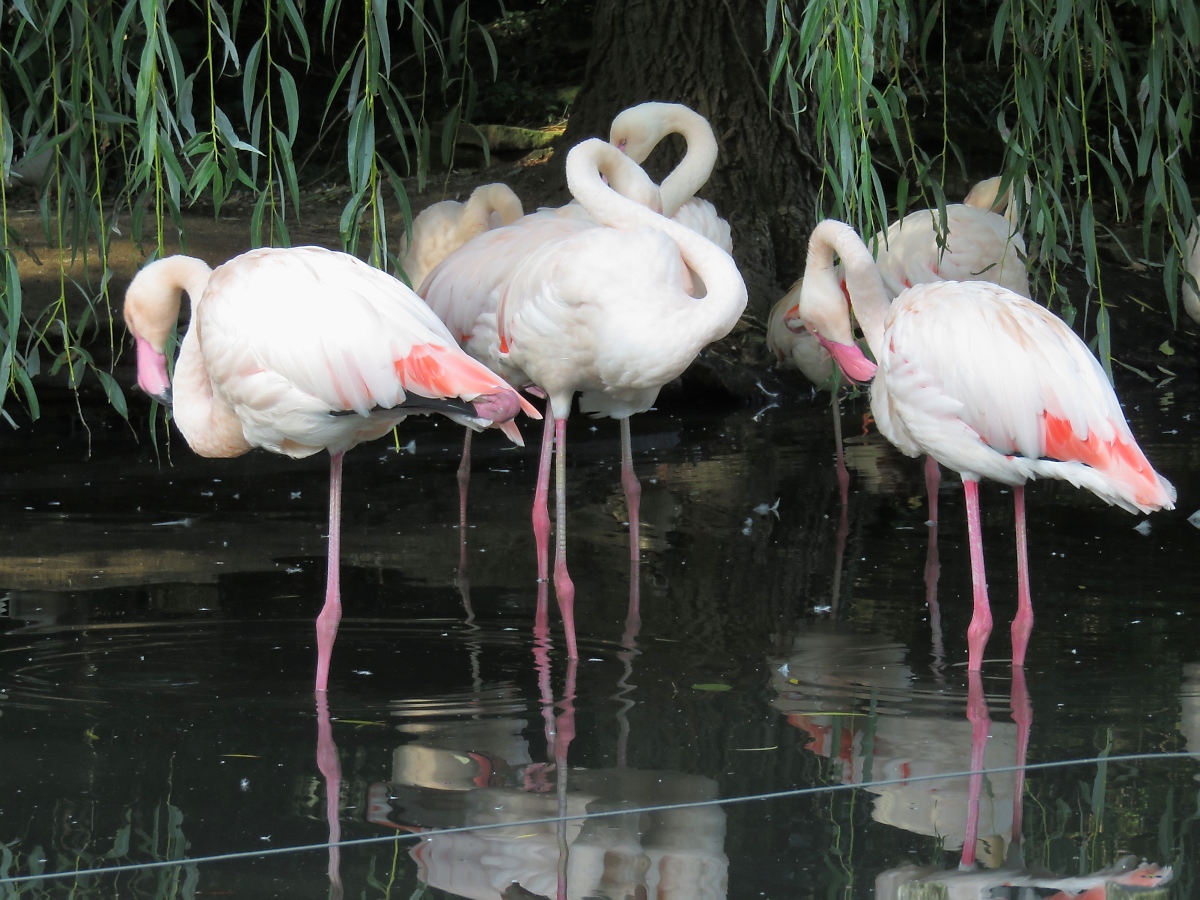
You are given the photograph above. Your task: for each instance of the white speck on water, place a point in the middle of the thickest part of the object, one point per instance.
(294, 495)
(244, 784)
(206, 493)
(1194, 518)
(822, 609)
(1142, 527)
(764, 509)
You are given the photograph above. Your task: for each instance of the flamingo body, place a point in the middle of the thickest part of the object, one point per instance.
(980, 245)
(440, 229)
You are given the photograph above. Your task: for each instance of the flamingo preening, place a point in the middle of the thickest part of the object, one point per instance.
(301, 350)
(987, 383)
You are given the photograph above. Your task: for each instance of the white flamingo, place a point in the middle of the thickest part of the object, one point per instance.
(301, 350)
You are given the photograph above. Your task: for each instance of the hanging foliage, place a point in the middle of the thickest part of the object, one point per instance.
(122, 114)
(1094, 107)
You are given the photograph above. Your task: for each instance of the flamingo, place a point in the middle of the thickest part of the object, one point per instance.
(1191, 299)
(606, 310)
(300, 350)
(973, 244)
(638, 130)
(468, 305)
(440, 229)
(986, 382)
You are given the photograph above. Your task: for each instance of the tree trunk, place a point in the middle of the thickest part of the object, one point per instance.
(708, 54)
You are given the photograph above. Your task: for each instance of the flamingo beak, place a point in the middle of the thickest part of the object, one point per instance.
(850, 360)
(152, 371)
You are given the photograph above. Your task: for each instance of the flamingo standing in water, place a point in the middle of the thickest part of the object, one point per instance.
(440, 229)
(638, 130)
(300, 350)
(986, 382)
(607, 310)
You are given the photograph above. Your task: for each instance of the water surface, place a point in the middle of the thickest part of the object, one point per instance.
(157, 658)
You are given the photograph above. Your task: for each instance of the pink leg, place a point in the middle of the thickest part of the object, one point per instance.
(541, 510)
(633, 489)
(933, 569)
(1022, 710)
(331, 770)
(981, 619)
(564, 588)
(633, 500)
(331, 612)
(464, 480)
(1022, 625)
(843, 474)
(933, 477)
(981, 723)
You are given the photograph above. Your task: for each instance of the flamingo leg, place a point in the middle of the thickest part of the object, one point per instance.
(633, 490)
(843, 474)
(564, 733)
(633, 499)
(933, 569)
(541, 511)
(331, 612)
(981, 619)
(981, 723)
(564, 588)
(1022, 625)
(933, 477)
(464, 480)
(331, 771)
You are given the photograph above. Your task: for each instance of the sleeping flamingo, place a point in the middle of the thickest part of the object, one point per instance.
(300, 350)
(638, 130)
(605, 310)
(986, 382)
(467, 301)
(440, 229)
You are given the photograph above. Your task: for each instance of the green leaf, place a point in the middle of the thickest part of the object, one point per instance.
(716, 687)
(1166, 349)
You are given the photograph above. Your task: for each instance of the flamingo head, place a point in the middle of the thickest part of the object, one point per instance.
(151, 311)
(822, 309)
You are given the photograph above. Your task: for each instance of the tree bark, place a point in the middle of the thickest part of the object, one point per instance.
(708, 54)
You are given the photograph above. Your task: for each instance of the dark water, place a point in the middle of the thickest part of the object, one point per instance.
(157, 657)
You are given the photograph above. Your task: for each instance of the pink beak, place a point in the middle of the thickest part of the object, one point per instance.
(850, 360)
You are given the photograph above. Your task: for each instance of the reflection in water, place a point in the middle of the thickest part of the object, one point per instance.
(857, 700)
(465, 773)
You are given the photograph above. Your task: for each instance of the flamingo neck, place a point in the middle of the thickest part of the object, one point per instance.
(710, 317)
(697, 164)
(864, 284)
(206, 420)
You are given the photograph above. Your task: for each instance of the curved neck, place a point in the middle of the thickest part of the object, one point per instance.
(864, 284)
(206, 421)
(725, 298)
(697, 164)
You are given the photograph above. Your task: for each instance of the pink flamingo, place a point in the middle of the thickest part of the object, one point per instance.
(300, 350)
(986, 382)
(979, 243)
(607, 310)
(440, 229)
(638, 130)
